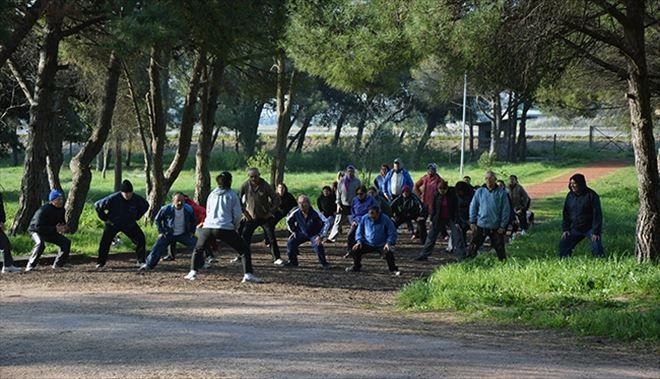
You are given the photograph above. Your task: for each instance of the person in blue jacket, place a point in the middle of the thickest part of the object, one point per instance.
(120, 212)
(305, 224)
(582, 218)
(395, 180)
(176, 222)
(375, 233)
(359, 207)
(490, 214)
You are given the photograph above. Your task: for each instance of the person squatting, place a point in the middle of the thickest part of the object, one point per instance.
(374, 216)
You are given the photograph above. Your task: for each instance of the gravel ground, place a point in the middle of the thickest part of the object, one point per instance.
(300, 323)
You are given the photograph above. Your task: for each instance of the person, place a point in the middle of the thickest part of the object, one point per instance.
(48, 225)
(464, 194)
(200, 214)
(223, 216)
(375, 233)
(395, 180)
(379, 181)
(360, 206)
(305, 224)
(443, 215)
(286, 203)
(259, 203)
(345, 193)
(176, 222)
(582, 217)
(5, 246)
(384, 205)
(520, 202)
(327, 208)
(407, 207)
(120, 212)
(427, 186)
(335, 183)
(490, 214)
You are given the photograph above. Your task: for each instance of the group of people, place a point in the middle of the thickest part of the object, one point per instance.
(374, 215)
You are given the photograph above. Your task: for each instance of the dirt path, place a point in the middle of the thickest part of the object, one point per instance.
(301, 323)
(560, 184)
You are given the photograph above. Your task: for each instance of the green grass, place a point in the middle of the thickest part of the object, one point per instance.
(613, 297)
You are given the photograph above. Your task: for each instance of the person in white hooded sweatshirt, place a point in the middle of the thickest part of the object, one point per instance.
(223, 215)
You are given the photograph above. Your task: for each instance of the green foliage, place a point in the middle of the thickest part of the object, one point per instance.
(486, 160)
(614, 297)
(261, 160)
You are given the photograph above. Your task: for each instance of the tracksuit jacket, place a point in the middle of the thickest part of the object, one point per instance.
(120, 213)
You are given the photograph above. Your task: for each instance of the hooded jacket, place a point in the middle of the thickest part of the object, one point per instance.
(582, 211)
(405, 181)
(490, 209)
(452, 206)
(346, 189)
(223, 210)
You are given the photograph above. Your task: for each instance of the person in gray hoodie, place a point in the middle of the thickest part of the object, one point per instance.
(346, 191)
(223, 215)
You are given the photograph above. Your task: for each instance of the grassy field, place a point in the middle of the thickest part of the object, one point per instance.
(613, 297)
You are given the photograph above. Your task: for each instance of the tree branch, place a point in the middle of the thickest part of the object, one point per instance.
(85, 24)
(22, 82)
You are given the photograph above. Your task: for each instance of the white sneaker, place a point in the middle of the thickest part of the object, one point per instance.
(61, 268)
(30, 268)
(278, 263)
(523, 233)
(100, 267)
(144, 268)
(235, 260)
(250, 278)
(192, 275)
(396, 273)
(10, 269)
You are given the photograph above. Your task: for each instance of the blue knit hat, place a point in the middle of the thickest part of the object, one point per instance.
(54, 194)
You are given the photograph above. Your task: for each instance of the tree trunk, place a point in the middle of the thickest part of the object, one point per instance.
(54, 155)
(81, 173)
(360, 132)
(283, 108)
(432, 118)
(471, 135)
(340, 124)
(511, 133)
(209, 105)
(247, 133)
(641, 130)
(129, 150)
(522, 136)
(99, 160)
(146, 152)
(187, 123)
(156, 196)
(495, 126)
(307, 121)
(107, 154)
(40, 113)
(118, 163)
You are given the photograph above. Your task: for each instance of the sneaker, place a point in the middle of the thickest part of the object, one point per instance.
(145, 268)
(348, 255)
(212, 259)
(192, 275)
(63, 267)
(250, 278)
(278, 263)
(523, 232)
(395, 273)
(139, 264)
(168, 258)
(290, 264)
(100, 267)
(10, 269)
(352, 269)
(328, 240)
(29, 268)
